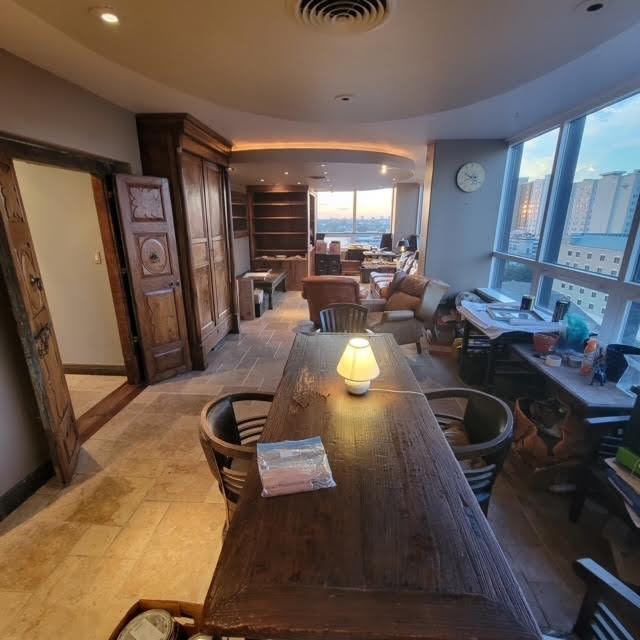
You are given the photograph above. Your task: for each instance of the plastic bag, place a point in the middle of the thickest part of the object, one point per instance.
(631, 376)
(293, 466)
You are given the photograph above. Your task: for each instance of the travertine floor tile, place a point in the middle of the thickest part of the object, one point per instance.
(95, 540)
(136, 534)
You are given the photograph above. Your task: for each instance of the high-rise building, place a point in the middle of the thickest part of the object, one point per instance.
(530, 200)
(580, 205)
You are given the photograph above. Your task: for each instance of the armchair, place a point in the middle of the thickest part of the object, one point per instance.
(321, 291)
(420, 298)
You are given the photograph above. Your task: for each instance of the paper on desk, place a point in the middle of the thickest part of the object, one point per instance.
(476, 313)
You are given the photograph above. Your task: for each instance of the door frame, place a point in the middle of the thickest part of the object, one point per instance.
(100, 169)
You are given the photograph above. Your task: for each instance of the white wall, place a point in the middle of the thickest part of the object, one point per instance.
(41, 106)
(63, 220)
(462, 226)
(38, 105)
(407, 202)
(241, 255)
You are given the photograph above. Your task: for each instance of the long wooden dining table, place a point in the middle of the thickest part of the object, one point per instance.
(398, 549)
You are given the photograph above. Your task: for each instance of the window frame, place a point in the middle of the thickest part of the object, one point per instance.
(354, 214)
(622, 289)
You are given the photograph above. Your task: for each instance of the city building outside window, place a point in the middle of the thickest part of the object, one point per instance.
(355, 217)
(573, 192)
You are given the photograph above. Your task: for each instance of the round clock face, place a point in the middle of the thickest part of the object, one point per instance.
(470, 177)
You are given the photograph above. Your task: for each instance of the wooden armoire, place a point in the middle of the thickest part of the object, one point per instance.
(195, 160)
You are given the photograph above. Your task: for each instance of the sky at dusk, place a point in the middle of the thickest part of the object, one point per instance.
(611, 142)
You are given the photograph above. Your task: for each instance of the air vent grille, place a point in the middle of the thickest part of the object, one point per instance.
(342, 16)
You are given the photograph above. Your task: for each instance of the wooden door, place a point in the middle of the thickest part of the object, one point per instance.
(218, 241)
(29, 305)
(152, 255)
(200, 253)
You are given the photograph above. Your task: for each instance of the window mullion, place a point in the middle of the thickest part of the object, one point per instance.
(355, 204)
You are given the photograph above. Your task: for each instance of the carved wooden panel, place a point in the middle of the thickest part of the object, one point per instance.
(214, 200)
(162, 316)
(10, 206)
(154, 254)
(29, 305)
(200, 253)
(145, 202)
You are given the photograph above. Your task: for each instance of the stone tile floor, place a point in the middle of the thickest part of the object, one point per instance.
(143, 518)
(87, 390)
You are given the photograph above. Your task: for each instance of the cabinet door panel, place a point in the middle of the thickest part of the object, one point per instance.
(196, 212)
(218, 241)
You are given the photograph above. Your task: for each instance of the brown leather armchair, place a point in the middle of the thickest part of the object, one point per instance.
(422, 297)
(321, 291)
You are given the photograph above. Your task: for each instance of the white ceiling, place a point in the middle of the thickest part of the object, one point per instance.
(478, 54)
(429, 56)
(322, 169)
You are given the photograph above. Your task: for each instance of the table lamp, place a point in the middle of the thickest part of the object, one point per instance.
(358, 366)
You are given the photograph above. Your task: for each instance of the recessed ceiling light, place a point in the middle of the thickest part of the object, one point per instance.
(106, 14)
(286, 173)
(299, 183)
(344, 97)
(325, 172)
(383, 169)
(323, 165)
(393, 179)
(594, 6)
(261, 179)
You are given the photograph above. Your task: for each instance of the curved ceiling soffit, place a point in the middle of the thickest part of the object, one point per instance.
(504, 115)
(320, 155)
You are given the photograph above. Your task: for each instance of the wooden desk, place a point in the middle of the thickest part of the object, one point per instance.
(592, 400)
(271, 282)
(399, 549)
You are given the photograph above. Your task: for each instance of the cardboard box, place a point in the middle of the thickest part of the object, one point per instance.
(187, 614)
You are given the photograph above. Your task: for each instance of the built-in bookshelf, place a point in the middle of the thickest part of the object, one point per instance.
(240, 214)
(281, 227)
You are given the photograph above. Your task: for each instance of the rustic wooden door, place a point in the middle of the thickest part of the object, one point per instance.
(218, 240)
(29, 305)
(154, 273)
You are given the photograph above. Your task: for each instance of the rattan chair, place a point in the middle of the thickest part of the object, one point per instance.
(229, 444)
(344, 318)
(488, 422)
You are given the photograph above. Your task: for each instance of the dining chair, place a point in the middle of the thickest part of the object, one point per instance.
(488, 423)
(229, 443)
(610, 610)
(344, 318)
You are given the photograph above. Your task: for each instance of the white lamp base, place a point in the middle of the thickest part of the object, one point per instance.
(357, 388)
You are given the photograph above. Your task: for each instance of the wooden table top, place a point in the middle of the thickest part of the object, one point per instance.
(607, 397)
(270, 278)
(399, 549)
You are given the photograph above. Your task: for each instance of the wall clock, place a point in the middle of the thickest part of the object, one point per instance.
(470, 177)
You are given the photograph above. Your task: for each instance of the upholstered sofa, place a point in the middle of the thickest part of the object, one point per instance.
(410, 308)
(380, 280)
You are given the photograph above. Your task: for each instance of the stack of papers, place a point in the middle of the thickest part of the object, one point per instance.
(477, 313)
(628, 486)
(293, 466)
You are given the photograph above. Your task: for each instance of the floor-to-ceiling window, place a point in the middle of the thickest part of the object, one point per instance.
(355, 217)
(570, 216)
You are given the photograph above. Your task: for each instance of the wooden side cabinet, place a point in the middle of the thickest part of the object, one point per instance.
(195, 160)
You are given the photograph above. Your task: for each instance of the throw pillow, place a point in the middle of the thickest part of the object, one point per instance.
(414, 285)
(399, 301)
(398, 277)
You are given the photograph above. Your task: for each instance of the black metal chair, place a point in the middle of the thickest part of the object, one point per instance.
(488, 423)
(229, 443)
(610, 610)
(344, 318)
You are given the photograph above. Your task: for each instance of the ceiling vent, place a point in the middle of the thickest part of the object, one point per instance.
(342, 17)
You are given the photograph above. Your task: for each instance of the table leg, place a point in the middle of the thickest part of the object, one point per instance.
(284, 285)
(491, 366)
(270, 290)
